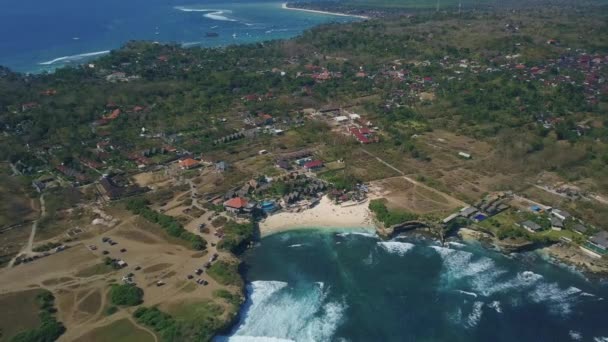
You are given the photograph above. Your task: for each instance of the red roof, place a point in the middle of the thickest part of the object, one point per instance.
(188, 163)
(236, 203)
(313, 164)
(114, 115)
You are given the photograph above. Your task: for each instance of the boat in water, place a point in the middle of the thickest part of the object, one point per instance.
(211, 34)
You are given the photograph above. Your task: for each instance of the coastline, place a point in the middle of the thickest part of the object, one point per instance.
(284, 6)
(324, 215)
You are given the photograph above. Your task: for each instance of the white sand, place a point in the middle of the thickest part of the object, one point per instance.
(284, 6)
(325, 215)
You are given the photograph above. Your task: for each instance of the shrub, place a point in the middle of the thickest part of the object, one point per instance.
(389, 217)
(126, 295)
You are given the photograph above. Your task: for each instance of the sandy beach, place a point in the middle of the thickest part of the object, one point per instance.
(325, 215)
(284, 6)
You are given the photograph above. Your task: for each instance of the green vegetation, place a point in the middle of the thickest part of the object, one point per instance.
(126, 295)
(235, 299)
(168, 223)
(236, 236)
(111, 310)
(389, 217)
(50, 330)
(197, 321)
(47, 247)
(226, 273)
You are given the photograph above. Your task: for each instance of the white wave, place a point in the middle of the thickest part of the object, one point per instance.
(74, 58)
(456, 244)
(219, 15)
(472, 294)
(400, 248)
(496, 306)
(372, 235)
(214, 14)
(250, 339)
(296, 245)
(475, 315)
(188, 44)
(276, 311)
(490, 284)
(458, 265)
(575, 335)
(559, 301)
(600, 339)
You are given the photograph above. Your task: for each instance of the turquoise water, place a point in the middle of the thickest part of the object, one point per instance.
(43, 35)
(329, 286)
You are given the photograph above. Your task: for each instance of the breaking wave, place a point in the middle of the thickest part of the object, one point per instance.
(482, 276)
(475, 315)
(396, 247)
(371, 235)
(277, 312)
(75, 58)
(214, 14)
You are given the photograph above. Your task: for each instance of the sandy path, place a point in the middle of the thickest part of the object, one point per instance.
(27, 249)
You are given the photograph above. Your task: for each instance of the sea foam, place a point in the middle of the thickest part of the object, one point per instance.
(400, 248)
(214, 14)
(277, 312)
(74, 58)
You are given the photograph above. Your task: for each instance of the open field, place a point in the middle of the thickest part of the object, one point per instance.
(401, 194)
(119, 331)
(19, 312)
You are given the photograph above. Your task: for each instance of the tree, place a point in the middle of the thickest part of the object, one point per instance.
(126, 295)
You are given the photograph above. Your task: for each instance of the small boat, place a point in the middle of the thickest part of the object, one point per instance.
(234, 35)
(211, 34)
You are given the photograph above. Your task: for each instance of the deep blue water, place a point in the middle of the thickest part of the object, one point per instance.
(328, 286)
(34, 31)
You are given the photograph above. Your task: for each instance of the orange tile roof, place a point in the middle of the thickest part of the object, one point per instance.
(187, 163)
(236, 203)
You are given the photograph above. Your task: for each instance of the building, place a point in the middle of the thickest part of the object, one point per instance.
(188, 163)
(468, 212)
(313, 165)
(530, 226)
(561, 214)
(450, 218)
(464, 155)
(236, 205)
(579, 228)
(600, 240)
(557, 224)
(341, 119)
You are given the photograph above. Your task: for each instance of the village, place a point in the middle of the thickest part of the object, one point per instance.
(164, 188)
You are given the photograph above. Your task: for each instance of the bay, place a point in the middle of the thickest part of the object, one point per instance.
(38, 36)
(316, 285)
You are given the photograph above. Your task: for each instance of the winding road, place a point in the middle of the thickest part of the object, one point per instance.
(27, 249)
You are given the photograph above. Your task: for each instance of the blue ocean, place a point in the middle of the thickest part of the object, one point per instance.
(42, 35)
(351, 286)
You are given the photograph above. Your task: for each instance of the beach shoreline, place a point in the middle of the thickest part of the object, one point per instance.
(325, 215)
(284, 6)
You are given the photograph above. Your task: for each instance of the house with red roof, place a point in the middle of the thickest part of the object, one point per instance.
(313, 165)
(188, 163)
(236, 205)
(363, 135)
